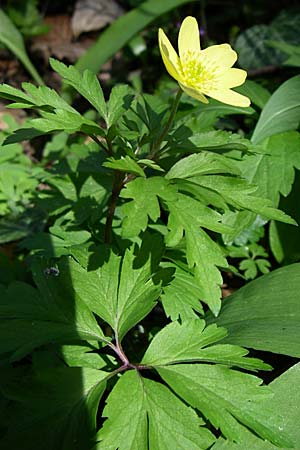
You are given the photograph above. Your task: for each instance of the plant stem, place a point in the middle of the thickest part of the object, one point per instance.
(168, 125)
(97, 140)
(116, 188)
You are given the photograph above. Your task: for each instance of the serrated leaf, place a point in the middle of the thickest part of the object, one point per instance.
(125, 164)
(264, 314)
(55, 408)
(181, 296)
(203, 163)
(187, 216)
(151, 164)
(82, 356)
(120, 293)
(249, 266)
(192, 342)
(154, 418)
(239, 194)
(286, 400)
(229, 399)
(119, 101)
(273, 169)
(281, 113)
(145, 204)
(86, 84)
(62, 120)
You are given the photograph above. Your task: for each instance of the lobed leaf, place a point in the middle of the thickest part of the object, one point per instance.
(118, 292)
(85, 83)
(229, 399)
(191, 342)
(154, 418)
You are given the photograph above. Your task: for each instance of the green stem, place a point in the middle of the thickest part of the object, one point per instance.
(168, 125)
(97, 140)
(117, 186)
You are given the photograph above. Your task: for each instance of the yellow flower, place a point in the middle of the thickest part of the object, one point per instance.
(203, 72)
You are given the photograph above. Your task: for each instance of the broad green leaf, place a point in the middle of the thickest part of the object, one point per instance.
(145, 203)
(54, 408)
(286, 400)
(285, 239)
(281, 113)
(293, 51)
(181, 297)
(125, 164)
(253, 50)
(265, 313)
(56, 314)
(230, 400)
(119, 102)
(86, 84)
(143, 414)
(191, 342)
(118, 291)
(13, 40)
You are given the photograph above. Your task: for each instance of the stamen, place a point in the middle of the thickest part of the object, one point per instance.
(198, 71)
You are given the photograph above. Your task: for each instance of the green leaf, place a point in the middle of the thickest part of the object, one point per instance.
(143, 414)
(230, 400)
(181, 297)
(265, 313)
(119, 102)
(286, 400)
(125, 164)
(203, 254)
(55, 408)
(249, 266)
(13, 40)
(191, 342)
(145, 193)
(273, 169)
(118, 291)
(56, 314)
(82, 356)
(285, 239)
(253, 50)
(41, 97)
(281, 113)
(203, 163)
(238, 193)
(87, 84)
(62, 120)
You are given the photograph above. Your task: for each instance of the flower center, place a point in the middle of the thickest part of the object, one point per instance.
(198, 71)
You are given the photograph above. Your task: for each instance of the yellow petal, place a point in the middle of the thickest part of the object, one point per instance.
(232, 78)
(222, 55)
(169, 56)
(229, 97)
(193, 93)
(188, 38)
